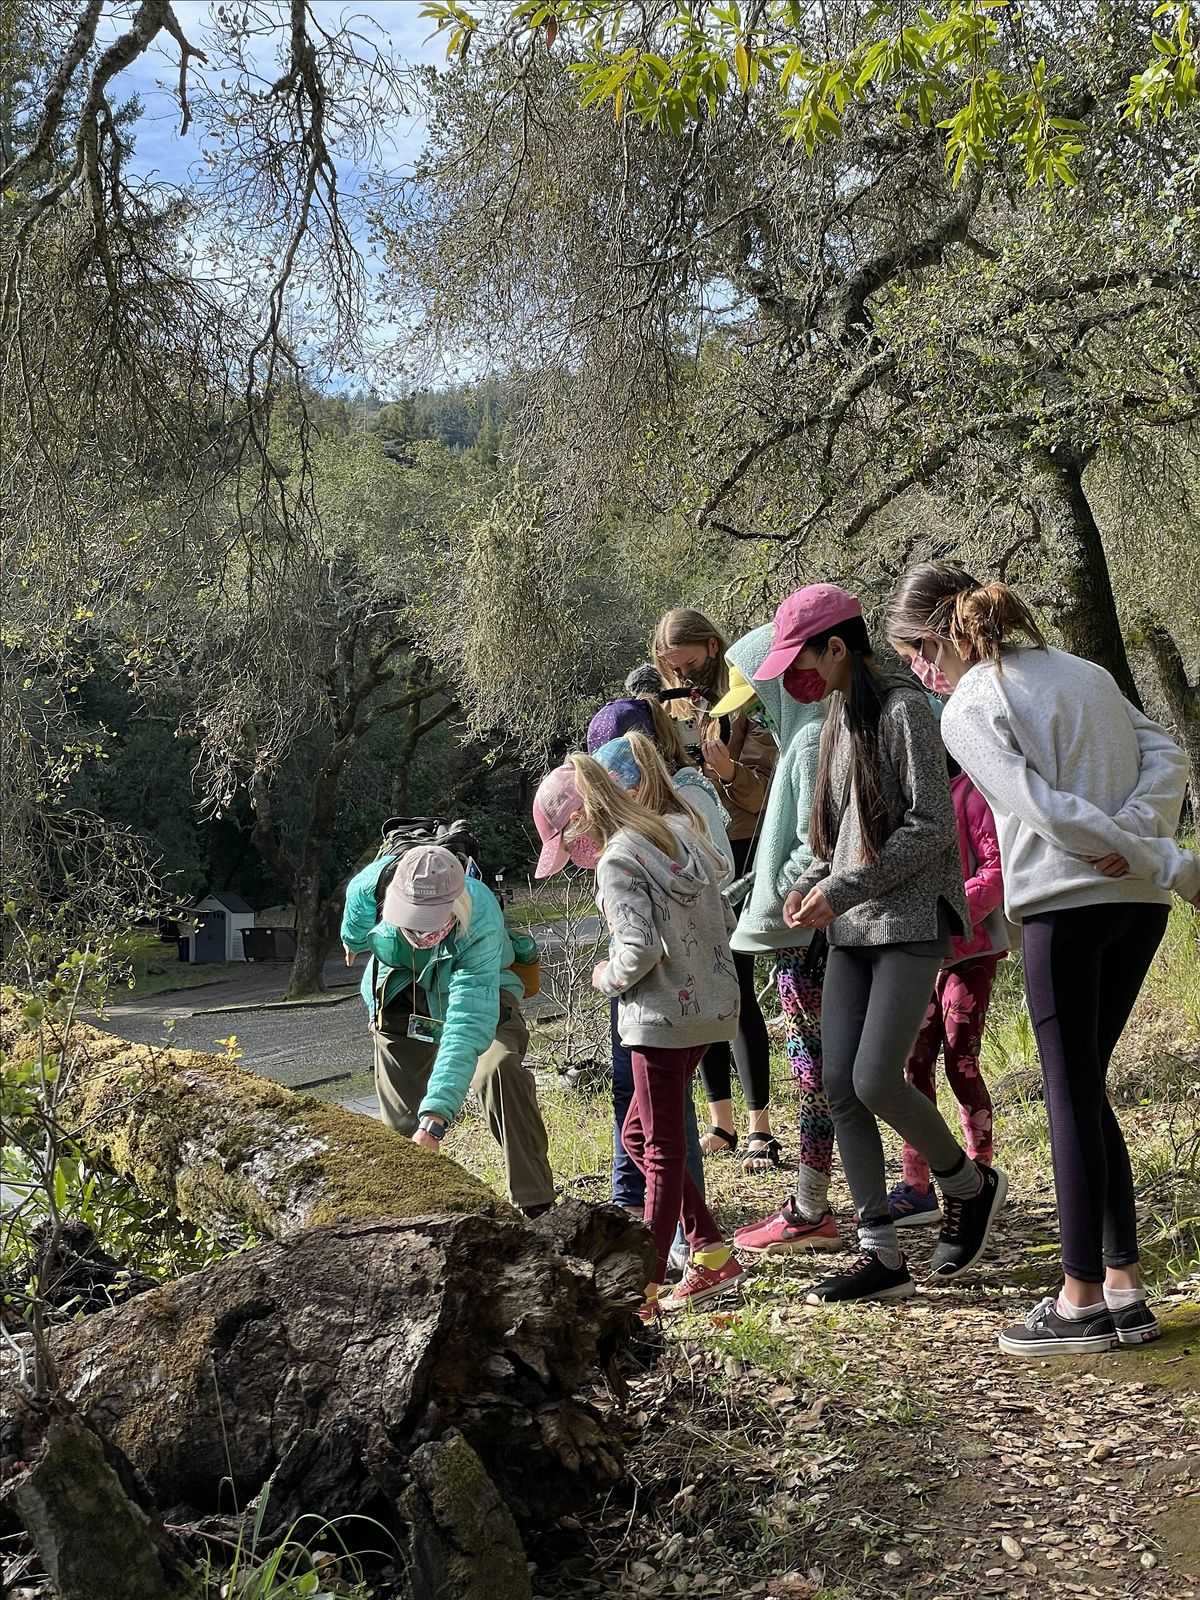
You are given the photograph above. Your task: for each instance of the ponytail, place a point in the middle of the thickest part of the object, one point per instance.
(942, 599)
(986, 618)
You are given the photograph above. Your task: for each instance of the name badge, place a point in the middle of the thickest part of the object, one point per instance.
(423, 1029)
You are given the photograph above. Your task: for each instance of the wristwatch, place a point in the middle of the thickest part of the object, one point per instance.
(434, 1127)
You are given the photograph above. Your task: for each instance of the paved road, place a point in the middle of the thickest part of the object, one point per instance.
(297, 1047)
(302, 1046)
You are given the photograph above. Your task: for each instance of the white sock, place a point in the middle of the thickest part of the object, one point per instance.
(1122, 1299)
(1076, 1313)
(812, 1193)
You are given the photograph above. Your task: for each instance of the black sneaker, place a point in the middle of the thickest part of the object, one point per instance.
(1045, 1333)
(867, 1279)
(1136, 1324)
(964, 1234)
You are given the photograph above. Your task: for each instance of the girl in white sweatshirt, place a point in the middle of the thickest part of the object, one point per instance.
(1086, 793)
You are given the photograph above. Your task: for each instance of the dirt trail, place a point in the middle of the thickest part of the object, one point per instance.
(793, 1452)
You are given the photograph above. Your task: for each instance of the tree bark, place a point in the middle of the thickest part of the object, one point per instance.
(313, 931)
(1180, 693)
(89, 1529)
(1085, 608)
(315, 1373)
(229, 1149)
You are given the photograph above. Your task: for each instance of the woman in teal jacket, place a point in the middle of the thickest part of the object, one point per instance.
(444, 1009)
(804, 1221)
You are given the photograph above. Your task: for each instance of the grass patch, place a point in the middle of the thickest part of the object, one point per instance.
(163, 974)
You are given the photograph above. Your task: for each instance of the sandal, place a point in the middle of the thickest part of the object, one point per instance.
(730, 1142)
(762, 1153)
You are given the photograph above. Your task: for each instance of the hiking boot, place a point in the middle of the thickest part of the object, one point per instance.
(968, 1223)
(1045, 1333)
(867, 1279)
(787, 1230)
(910, 1208)
(1136, 1324)
(701, 1284)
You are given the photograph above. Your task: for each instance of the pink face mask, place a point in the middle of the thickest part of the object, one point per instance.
(585, 853)
(805, 684)
(929, 674)
(426, 941)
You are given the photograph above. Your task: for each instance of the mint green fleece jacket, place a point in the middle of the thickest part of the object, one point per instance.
(781, 854)
(457, 983)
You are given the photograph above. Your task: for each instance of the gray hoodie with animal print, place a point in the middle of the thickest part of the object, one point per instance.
(669, 963)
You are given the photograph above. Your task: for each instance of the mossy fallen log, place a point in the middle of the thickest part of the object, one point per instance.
(316, 1370)
(229, 1149)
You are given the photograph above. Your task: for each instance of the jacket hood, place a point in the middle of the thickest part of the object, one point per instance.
(683, 882)
(788, 715)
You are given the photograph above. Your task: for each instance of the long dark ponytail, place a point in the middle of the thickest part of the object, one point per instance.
(863, 707)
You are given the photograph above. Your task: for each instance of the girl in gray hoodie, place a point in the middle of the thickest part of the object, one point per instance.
(670, 969)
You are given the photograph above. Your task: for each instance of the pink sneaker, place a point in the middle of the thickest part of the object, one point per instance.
(786, 1231)
(700, 1284)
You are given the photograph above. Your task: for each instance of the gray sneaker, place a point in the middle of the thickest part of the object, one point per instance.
(1136, 1324)
(1045, 1333)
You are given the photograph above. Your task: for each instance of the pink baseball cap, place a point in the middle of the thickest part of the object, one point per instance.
(801, 617)
(556, 802)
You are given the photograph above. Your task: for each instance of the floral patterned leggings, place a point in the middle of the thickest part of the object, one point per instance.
(801, 1001)
(955, 1021)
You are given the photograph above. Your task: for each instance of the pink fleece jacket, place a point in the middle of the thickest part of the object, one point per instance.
(980, 851)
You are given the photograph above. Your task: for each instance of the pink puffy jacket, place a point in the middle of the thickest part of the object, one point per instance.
(980, 850)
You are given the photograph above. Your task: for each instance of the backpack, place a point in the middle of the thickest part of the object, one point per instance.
(402, 834)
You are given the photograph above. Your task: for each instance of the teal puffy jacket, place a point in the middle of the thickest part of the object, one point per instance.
(458, 981)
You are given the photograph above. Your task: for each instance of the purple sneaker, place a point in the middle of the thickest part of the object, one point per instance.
(912, 1209)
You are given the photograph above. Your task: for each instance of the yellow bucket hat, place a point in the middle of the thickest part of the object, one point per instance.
(741, 692)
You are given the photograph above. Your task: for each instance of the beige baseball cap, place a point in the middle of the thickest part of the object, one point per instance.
(423, 889)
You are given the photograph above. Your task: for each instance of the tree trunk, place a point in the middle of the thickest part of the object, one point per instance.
(402, 767)
(317, 1372)
(1180, 693)
(313, 931)
(1085, 609)
(229, 1149)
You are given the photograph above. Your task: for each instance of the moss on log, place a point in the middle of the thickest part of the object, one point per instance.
(229, 1149)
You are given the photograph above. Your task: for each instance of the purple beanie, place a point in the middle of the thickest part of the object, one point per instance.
(616, 718)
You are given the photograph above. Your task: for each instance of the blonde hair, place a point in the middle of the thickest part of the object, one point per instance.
(657, 793)
(607, 808)
(941, 598)
(462, 909)
(680, 627)
(667, 740)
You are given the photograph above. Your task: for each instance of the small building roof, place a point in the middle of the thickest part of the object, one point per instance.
(227, 898)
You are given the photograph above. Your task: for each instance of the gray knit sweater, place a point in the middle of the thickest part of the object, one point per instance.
(894, 899)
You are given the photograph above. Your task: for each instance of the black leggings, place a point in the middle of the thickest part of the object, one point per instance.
(1084, 968)
(751, 1048)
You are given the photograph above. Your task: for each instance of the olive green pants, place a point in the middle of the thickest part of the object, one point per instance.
(504, 1086)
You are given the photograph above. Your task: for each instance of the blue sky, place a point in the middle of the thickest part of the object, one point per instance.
(161, 154)
(154, 76)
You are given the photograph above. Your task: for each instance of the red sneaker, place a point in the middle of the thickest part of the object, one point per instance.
(699, 1284)
(786, 1231)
